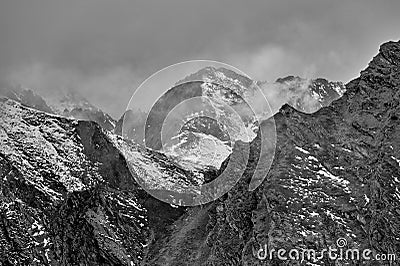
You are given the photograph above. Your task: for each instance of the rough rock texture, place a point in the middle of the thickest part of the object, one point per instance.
(335, 175)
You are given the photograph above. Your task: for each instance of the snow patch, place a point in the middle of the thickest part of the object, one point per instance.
(302, 150)
(397, 160)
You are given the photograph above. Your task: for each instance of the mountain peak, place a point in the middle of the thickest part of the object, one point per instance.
(391, 50)
(220, 75)
(388, 57)
(287, 109)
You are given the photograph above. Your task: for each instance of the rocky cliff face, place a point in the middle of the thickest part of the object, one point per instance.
(335, 175)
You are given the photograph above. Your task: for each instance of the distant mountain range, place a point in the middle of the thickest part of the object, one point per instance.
(201, 145)
(71, 104)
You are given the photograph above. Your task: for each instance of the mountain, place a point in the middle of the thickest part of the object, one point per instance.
(335, 175)
(199, 133)
(69, 192)
(238, 83)
(298, 92)
(309, 95)
(215, 125)
(26, 97)
(73, 105)
(69, 105)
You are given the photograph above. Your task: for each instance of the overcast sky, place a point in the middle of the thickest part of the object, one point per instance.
(106, 48)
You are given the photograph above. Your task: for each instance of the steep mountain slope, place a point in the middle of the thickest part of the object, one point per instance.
(335, 175)
(67, 196)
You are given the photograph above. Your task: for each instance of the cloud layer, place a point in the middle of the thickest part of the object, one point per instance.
(106, 48)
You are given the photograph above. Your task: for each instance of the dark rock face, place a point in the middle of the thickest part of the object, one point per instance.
(335, 175)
